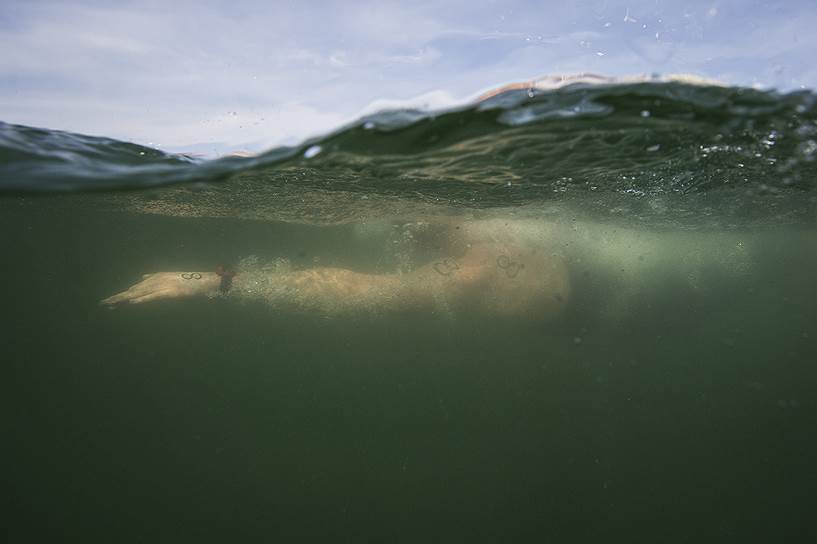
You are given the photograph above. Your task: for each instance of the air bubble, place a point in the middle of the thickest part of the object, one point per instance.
(808, 149)
(312, 151)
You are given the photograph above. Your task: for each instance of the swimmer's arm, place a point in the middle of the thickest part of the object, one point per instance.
(162, 285)
(330, 289)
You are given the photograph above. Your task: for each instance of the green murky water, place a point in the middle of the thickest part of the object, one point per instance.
(671, 398)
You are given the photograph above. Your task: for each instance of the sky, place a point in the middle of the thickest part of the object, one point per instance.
(218, 76)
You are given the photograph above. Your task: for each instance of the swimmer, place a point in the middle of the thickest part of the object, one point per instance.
(488, 269)
(500, 266)
(482, 273)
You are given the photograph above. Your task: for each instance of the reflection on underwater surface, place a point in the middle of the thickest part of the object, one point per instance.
(656, 150)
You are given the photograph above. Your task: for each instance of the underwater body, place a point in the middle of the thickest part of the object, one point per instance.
(594, 315)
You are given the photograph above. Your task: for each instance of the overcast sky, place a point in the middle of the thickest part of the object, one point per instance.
(222, 75)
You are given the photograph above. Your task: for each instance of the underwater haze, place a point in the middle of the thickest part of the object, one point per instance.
(365, 289)
(662, 390)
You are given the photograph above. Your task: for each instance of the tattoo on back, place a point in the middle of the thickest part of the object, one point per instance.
(191, 276)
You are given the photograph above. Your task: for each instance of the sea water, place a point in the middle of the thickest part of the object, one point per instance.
(672, 399)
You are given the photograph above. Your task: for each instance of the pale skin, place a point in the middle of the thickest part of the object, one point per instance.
(483, 277)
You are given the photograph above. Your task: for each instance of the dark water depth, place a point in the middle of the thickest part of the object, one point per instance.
(692, 419)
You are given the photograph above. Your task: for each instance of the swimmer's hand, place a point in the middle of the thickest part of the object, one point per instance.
(164, 285)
